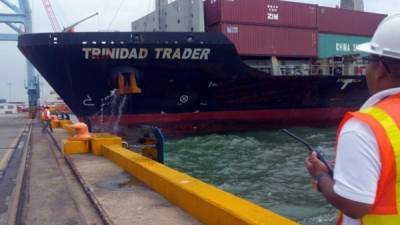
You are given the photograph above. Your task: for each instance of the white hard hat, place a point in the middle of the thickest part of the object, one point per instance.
(386, 40)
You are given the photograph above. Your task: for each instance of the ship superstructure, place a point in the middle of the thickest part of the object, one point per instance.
(176, 16)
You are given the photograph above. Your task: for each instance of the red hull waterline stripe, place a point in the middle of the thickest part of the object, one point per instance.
(278, 116)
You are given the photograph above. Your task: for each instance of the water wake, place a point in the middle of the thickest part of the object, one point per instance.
(115, 126)
(112, 107)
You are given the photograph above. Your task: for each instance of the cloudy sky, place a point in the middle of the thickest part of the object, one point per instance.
(114, 15)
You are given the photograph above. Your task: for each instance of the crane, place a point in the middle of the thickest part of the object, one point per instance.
(54, 22)
(71, 27)
(52, 17)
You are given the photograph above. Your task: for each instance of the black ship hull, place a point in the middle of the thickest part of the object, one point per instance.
(182, 82)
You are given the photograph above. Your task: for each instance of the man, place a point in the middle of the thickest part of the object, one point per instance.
(47, 119)
(366, 182)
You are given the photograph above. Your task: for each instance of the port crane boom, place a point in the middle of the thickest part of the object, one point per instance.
(70, 28)
(54, 22)
(52, 17)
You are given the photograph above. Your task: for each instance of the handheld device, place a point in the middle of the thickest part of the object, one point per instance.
(320, 155)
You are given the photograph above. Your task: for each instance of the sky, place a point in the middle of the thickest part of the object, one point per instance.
(113, 15)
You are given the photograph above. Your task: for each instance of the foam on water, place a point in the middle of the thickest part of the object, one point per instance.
(264, 167)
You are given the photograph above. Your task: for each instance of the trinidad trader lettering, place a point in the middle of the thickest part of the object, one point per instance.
(143, 53)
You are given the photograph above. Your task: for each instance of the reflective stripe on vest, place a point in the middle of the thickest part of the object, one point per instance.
(384, 120)
(392, 133)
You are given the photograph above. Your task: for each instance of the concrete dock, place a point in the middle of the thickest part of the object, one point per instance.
(122, 198)
(51, 191)
(11, 149)
(41, 185)
(11, 127)
(52, 194)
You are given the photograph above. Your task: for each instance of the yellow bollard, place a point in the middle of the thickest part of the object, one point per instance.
(65, 124)
(55, 123)
(81, 132)
(78, 143)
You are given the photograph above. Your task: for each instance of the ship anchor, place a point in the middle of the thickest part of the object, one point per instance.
(130, 87)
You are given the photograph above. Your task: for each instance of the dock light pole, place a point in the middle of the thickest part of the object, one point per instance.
(21, 14)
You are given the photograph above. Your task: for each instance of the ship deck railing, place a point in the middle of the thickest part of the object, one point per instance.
(326, 70)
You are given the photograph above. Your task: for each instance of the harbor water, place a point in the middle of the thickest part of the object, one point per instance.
(266, 168)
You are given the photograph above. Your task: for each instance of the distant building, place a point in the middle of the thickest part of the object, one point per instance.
(357, 5)
(6, 108)
(17, 103)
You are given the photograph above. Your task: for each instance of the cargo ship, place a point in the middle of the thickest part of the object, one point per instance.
(233, 77)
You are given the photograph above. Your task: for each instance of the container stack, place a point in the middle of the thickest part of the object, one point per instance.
(341, 30)
(265, 27)
(289, 29)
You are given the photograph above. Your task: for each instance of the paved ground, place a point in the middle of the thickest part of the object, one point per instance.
(123, 198)
(11, 151)
(10, 129)
(52, 194)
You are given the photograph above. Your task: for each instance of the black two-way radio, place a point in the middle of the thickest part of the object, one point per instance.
(320, 155)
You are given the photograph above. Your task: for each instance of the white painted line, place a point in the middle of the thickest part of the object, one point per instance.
(15, 141)
(7, 156)
(12, 210)
(5, 159)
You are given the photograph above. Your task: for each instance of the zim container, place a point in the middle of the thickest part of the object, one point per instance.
(261, 12)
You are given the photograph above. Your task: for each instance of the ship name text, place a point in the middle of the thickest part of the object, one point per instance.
(143, 53)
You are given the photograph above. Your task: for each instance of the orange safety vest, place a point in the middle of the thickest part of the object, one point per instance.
(46, 114)
(384, 121)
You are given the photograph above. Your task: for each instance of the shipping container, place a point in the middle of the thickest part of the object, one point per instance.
(331, 45)
(261, 12)
(343, 21)
(251, 40)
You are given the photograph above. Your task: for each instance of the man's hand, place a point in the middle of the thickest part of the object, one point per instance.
(314, 166)
(351, 208)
